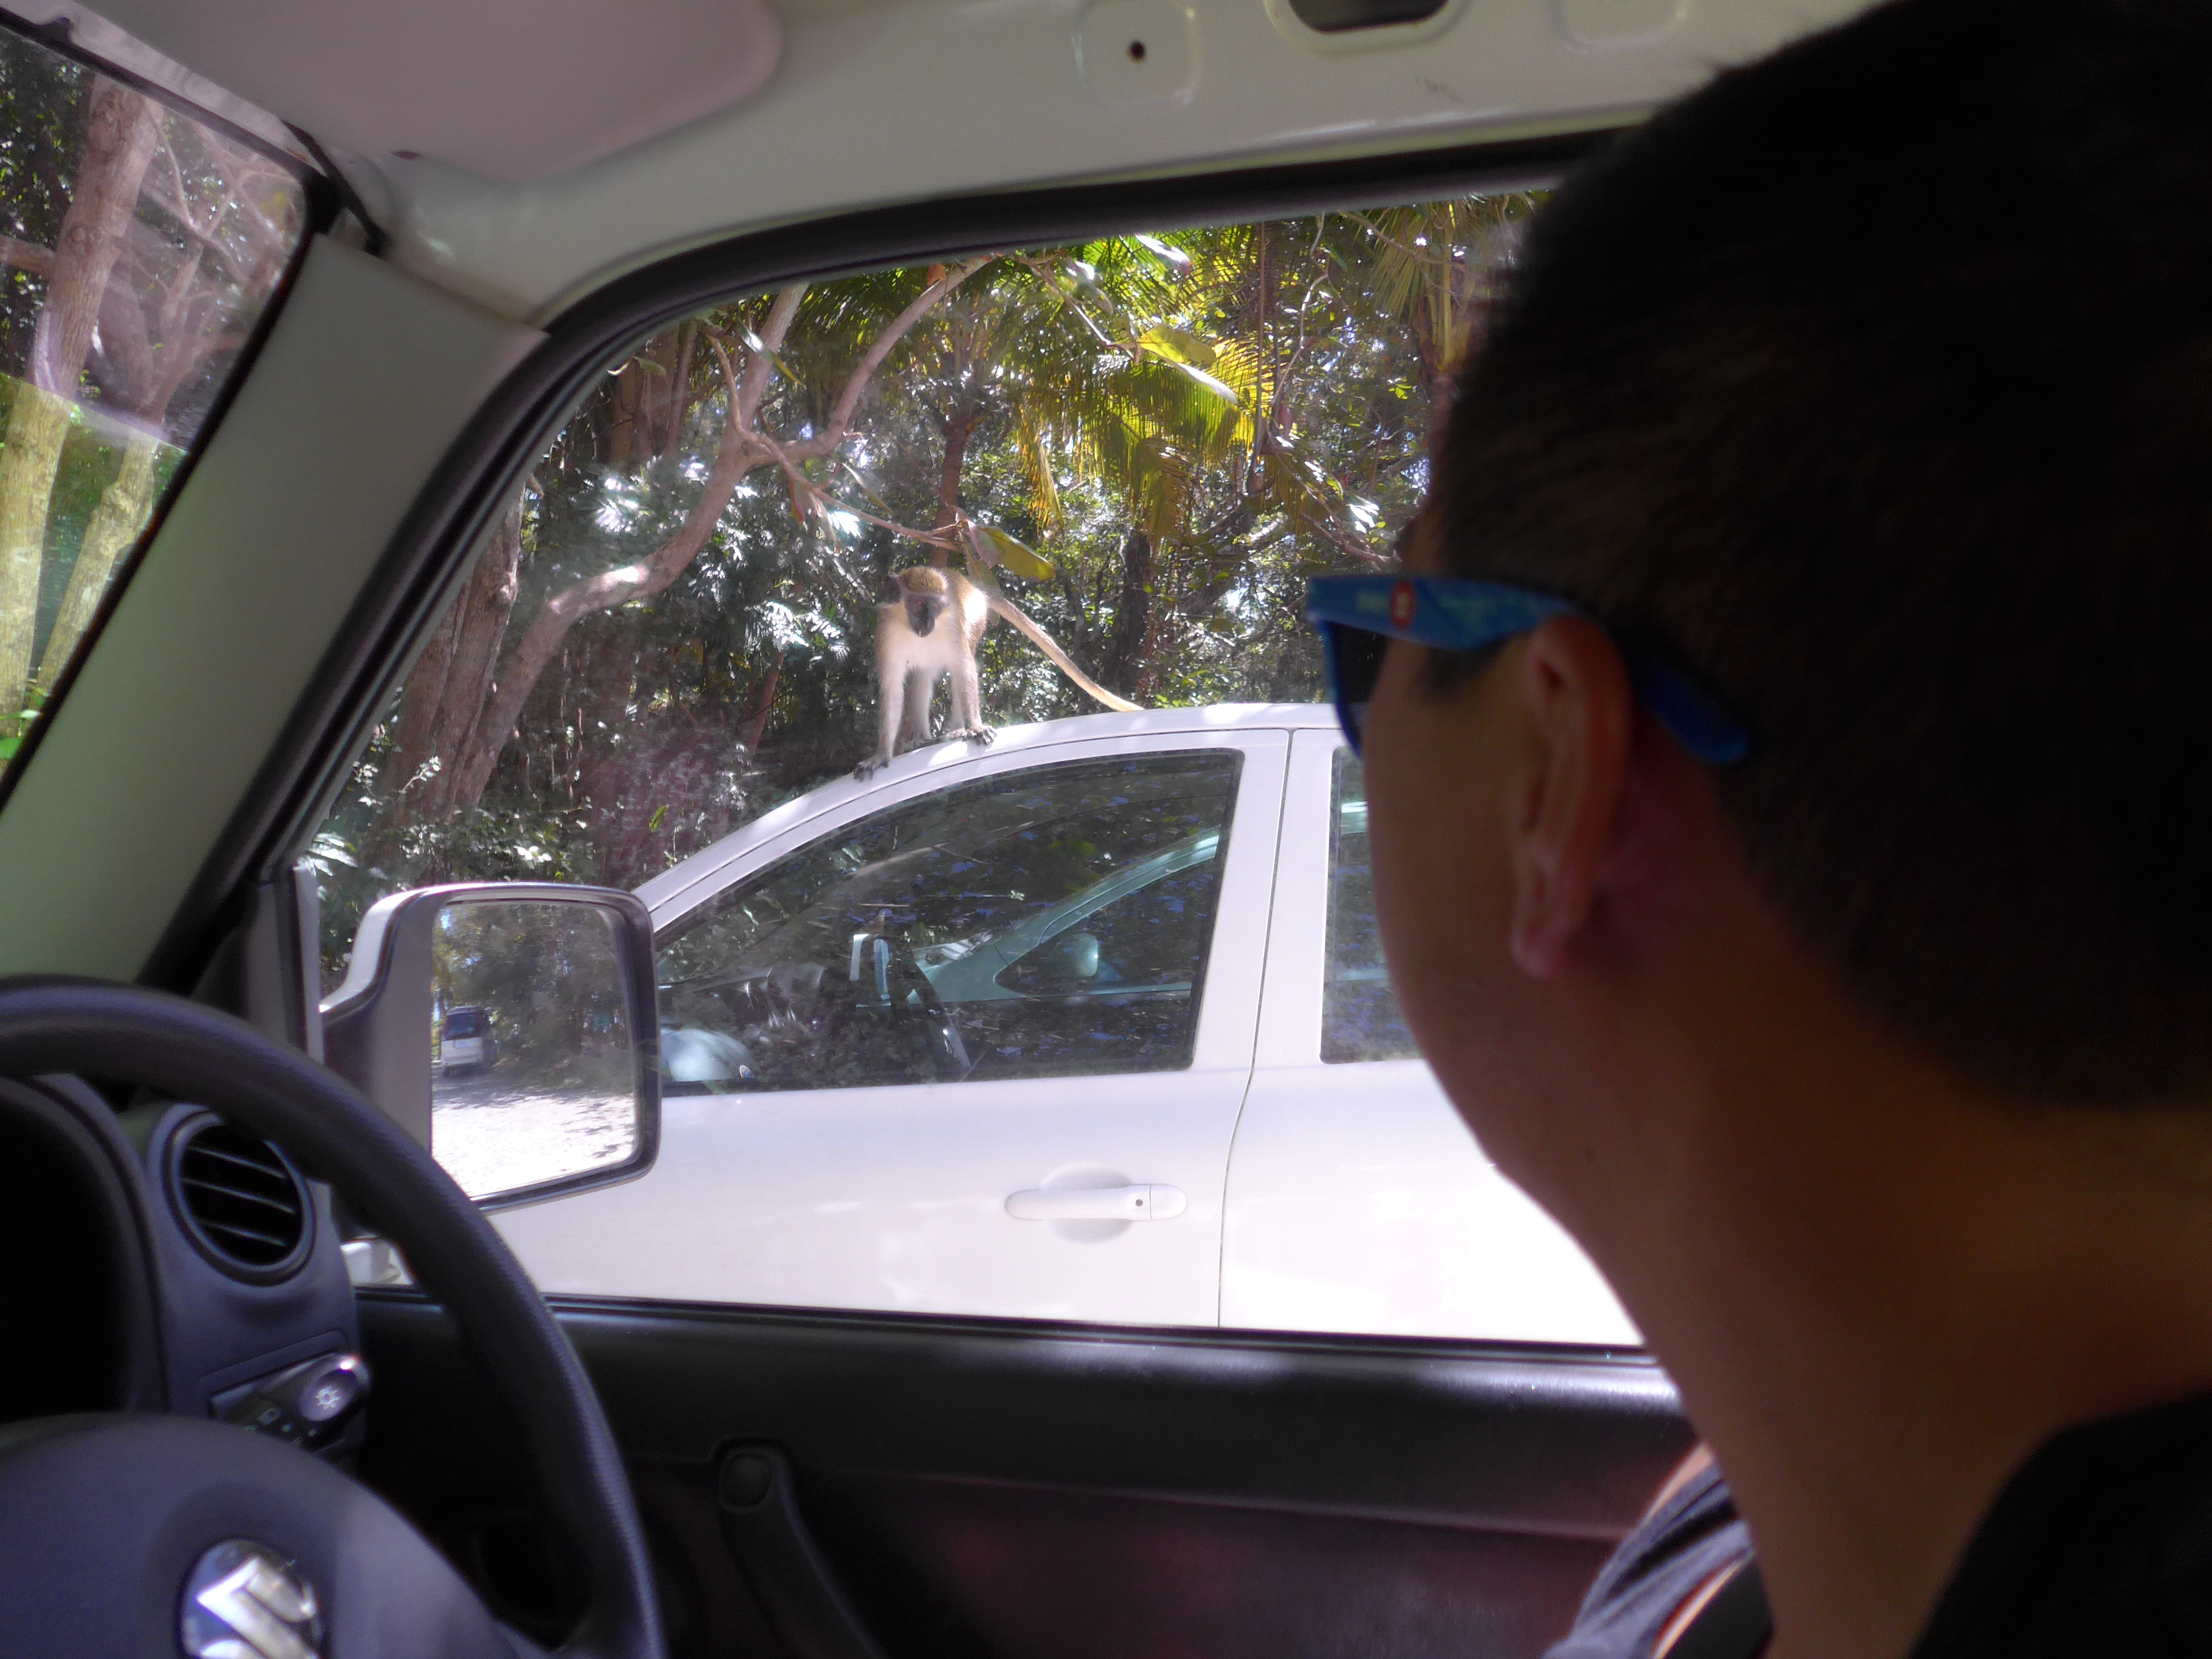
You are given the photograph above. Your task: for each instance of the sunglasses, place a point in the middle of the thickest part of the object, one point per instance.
(1358, 616)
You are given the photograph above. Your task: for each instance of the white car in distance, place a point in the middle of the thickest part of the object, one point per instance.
(1090, 1024)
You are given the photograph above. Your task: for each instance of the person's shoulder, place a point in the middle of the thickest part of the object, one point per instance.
(2100, 1544)
(1690, 1537)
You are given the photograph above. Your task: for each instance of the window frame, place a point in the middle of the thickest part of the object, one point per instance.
(1292, 1013)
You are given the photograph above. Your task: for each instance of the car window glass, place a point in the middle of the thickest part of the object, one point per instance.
(1360, 1016)
(139, 250)
(1148, 443)
(1051, 921)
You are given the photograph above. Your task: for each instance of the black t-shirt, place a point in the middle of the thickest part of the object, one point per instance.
(2099, 1547)
(2102, 1546)
(1670, 1553)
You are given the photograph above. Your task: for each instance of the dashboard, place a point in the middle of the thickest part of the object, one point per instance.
(160, 1260)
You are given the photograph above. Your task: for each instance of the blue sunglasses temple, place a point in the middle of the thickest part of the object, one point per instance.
(1474, 616)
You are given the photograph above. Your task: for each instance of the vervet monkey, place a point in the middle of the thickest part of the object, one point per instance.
(928, 624)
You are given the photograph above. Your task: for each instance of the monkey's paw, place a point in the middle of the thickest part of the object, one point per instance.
(982, 734)
(868, 768)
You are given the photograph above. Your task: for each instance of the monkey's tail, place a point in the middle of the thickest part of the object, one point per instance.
(1044, 642)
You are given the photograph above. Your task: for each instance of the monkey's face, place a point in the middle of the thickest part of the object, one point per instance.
(922, 610)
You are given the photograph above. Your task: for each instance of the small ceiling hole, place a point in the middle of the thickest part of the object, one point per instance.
(1136, 51)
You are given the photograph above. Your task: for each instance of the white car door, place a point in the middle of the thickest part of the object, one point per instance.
(1357, 1200)
(978, 1026)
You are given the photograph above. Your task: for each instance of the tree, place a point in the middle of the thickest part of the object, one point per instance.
(120, 133)
(215, 224)
(744, 447)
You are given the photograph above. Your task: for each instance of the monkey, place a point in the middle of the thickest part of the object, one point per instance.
(928, 624)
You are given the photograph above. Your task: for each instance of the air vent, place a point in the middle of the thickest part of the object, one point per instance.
(241, 1201)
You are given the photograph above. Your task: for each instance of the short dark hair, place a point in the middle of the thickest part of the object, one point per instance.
(1873, 382)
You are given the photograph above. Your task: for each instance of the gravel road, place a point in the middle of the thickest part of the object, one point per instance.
(493, 1134)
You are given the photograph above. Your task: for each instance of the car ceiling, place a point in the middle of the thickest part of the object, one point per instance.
(551, 145)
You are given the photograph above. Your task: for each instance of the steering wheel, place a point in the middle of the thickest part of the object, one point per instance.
(114, 1512)
(915, 1001)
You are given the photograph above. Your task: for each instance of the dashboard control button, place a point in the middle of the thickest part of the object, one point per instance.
(304, 1404)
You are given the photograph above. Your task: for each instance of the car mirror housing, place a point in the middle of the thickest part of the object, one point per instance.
(512, 1029)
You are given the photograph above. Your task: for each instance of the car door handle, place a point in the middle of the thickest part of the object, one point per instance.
(1146, 1203)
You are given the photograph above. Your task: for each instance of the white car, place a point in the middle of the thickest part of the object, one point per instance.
(464, 1041)
(1090, 1024)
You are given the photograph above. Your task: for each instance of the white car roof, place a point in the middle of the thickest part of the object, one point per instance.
(672, 891)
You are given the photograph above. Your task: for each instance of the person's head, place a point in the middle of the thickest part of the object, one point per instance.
(1873, 384)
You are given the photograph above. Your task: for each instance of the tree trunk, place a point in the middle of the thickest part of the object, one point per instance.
(492, 589)
(673, 396)
(541, 642)
(1133, 617)
(124, 506)
(128, 502)
(754, 721)
(414, 736)
(445, 695)
(120, 132)
(958, 428)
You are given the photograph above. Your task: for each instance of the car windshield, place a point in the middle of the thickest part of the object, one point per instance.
(144, 247)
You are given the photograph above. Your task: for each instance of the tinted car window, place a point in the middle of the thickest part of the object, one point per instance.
(1051, 921)
(1360, 1016)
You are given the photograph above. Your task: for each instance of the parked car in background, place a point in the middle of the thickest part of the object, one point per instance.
(1091, 1024)
(466, 1042)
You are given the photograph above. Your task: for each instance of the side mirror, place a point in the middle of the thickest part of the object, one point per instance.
(1076, 955)
(512, 1028)
(1066, 964)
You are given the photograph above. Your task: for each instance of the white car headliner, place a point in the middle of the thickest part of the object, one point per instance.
(563, 143)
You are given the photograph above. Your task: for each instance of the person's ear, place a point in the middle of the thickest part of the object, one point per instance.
(1571, 695)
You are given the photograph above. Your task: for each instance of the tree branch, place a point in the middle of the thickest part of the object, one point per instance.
(746, 409)
(743, 448)
(26, 256)
(831, 437)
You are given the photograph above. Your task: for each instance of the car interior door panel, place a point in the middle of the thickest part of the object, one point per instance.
(1040, 1492)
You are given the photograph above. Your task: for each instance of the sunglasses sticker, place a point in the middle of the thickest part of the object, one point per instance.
(1402, 601)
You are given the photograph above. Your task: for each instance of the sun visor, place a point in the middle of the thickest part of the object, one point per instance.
(512, 90)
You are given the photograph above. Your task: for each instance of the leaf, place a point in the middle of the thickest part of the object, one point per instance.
(1085, 278)
(758, 347)
(874, 500)
(1180, 345)
(1220, 389)
(1168, 254)
(1017, 556)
